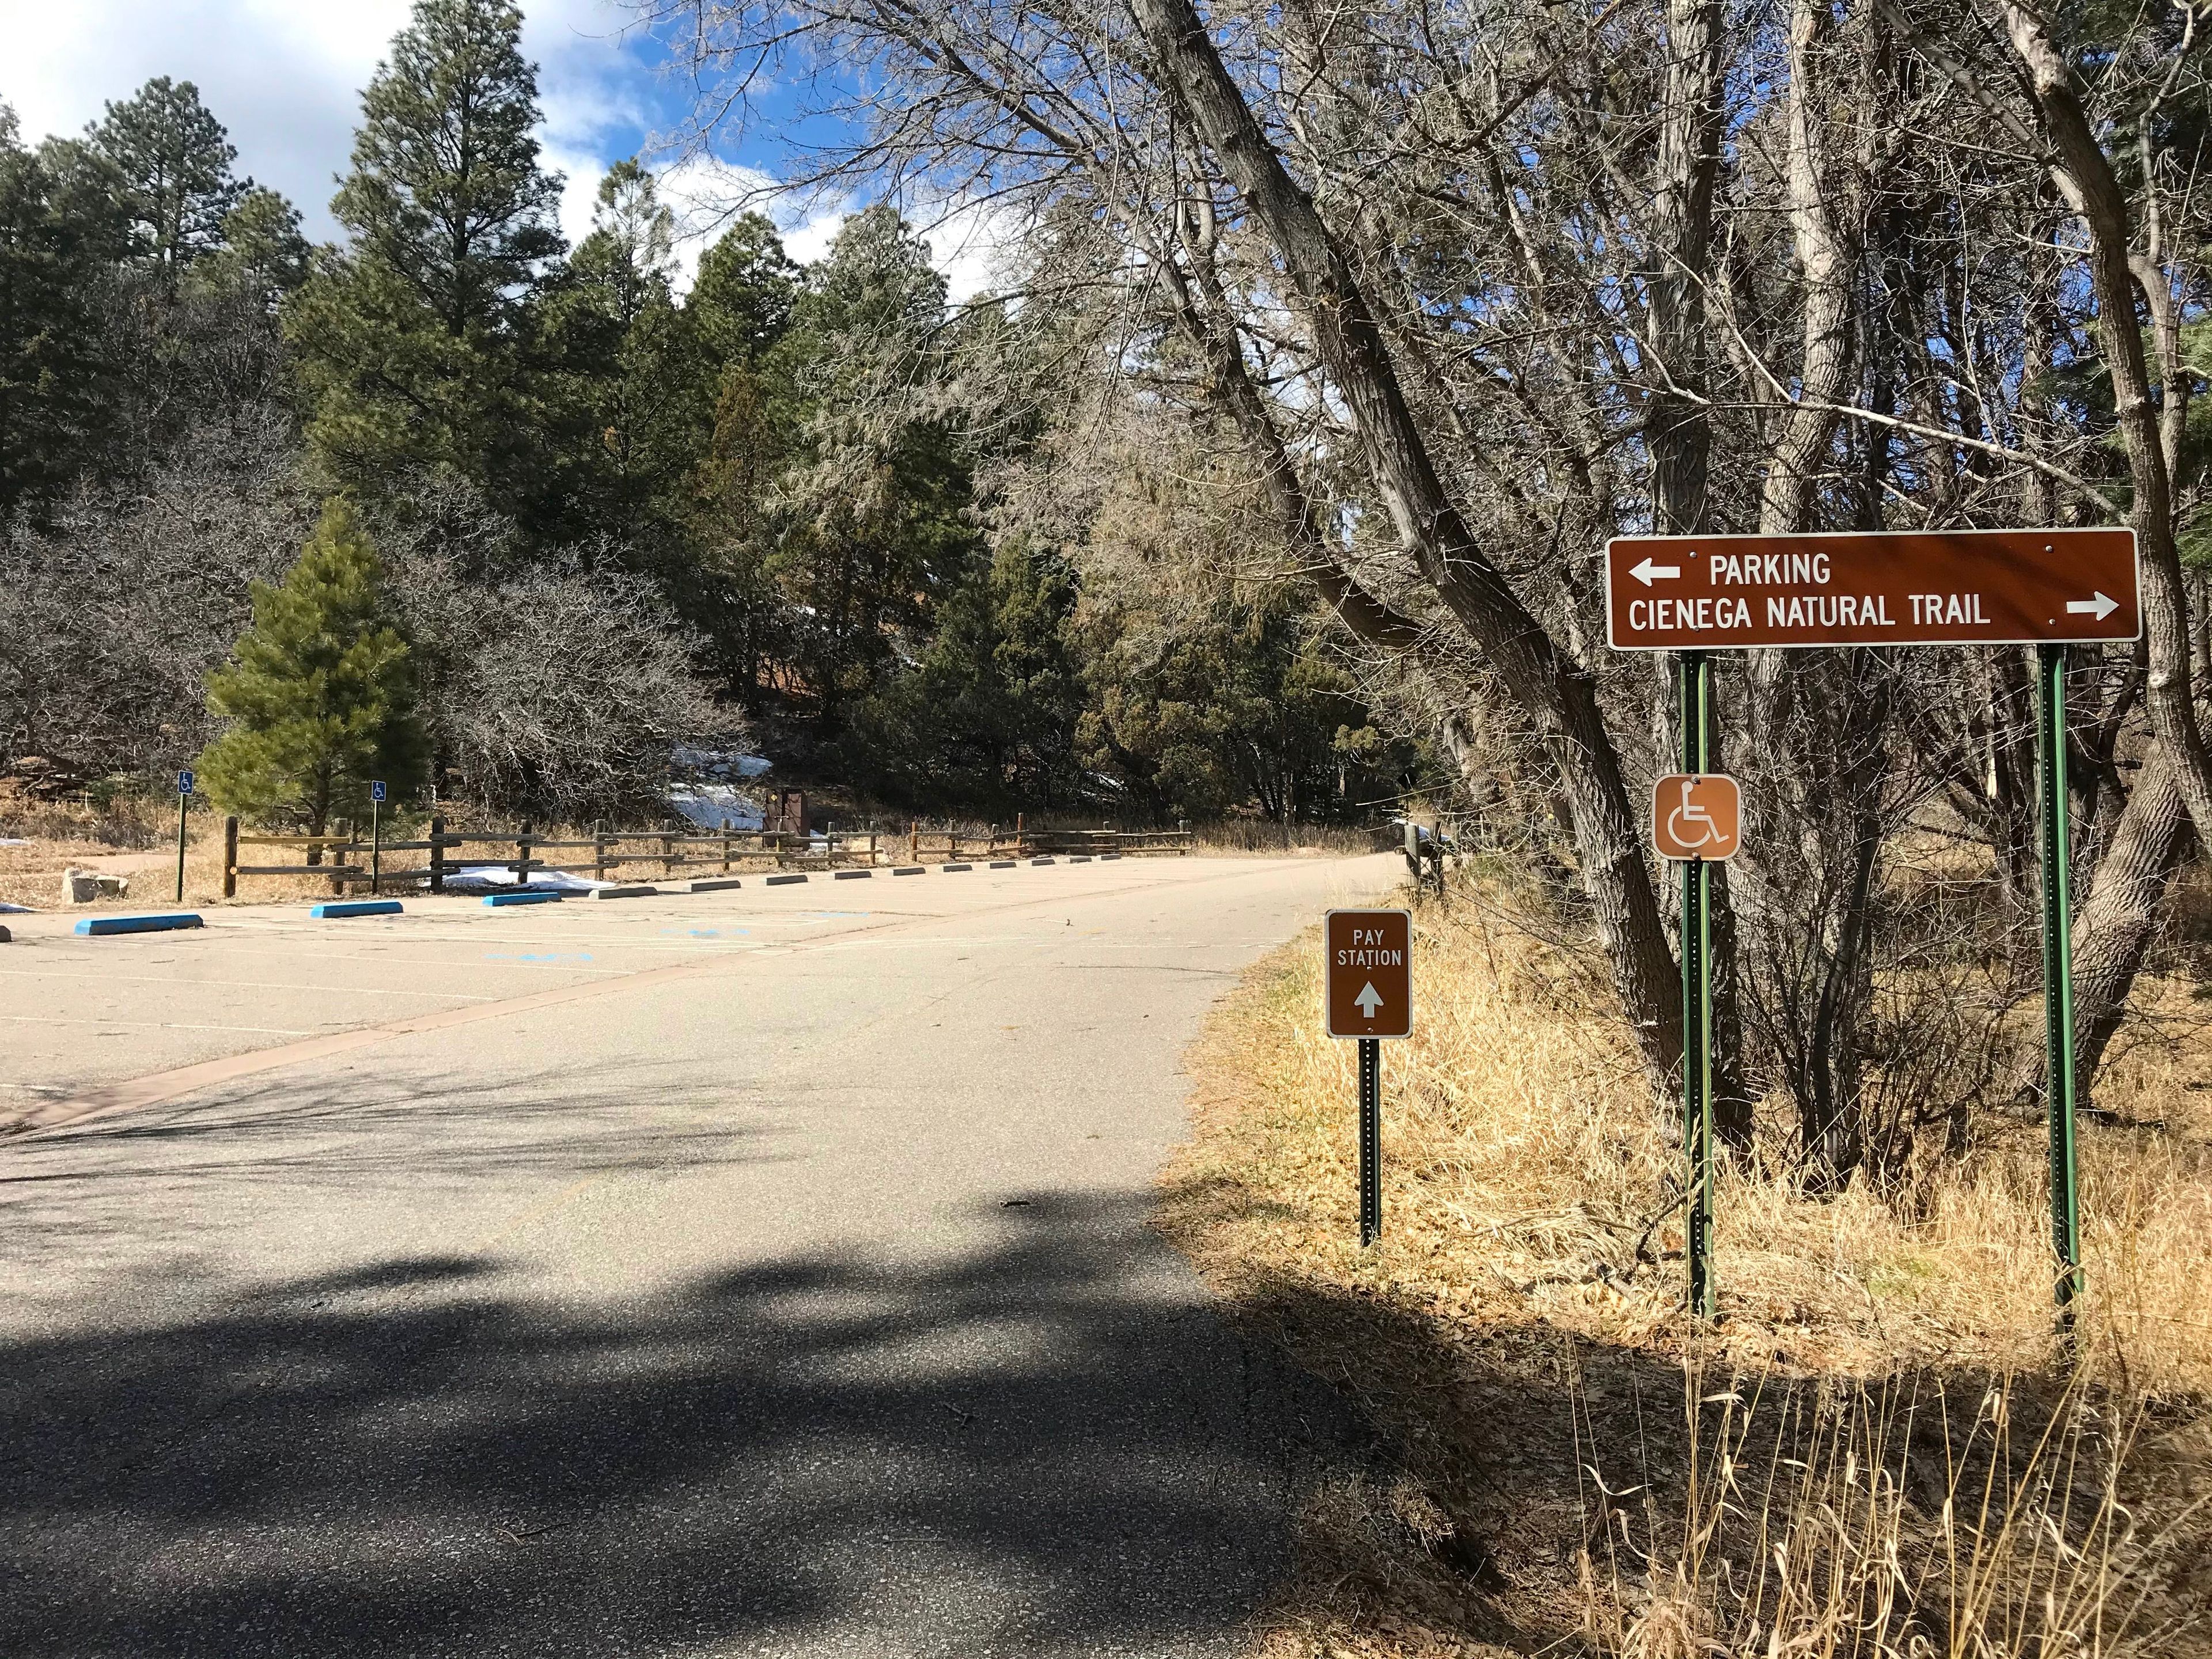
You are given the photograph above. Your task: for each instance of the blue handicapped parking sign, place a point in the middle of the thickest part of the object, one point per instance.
(184, 783)
(376, 789)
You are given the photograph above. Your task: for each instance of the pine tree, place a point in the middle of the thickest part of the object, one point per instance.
(986, 718)
(411, 342)
(319, 690)
(637, 398)
(740, 302)
(263, 254)
(738, 309)
(172, 161)
(55, 380)
(877, 531)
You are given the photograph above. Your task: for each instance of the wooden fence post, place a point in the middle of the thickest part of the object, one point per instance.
(437, 853)
(667, 855)
(725, 846)
(599, 850)
(522, 855)
(230, 857)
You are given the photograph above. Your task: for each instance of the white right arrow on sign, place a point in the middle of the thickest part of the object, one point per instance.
(1367, 1001)
(2101, 606)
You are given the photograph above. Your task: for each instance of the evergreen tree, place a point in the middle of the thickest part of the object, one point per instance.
(172, 161)
(263, 254)
(876, 533)
(985, 718)
(1205, 702)
(737, 312)
(639, 396)
(55, 380)
(319, 690)
(411, 343)
(740, 302)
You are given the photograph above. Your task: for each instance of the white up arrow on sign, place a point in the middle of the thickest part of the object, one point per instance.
(1646, 570)
(2100, 607)
(1367, 1002)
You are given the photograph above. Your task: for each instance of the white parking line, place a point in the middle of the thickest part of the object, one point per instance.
(152, 1025)
(247, 985)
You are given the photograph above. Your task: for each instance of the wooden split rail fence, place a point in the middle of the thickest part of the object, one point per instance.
(354, 861)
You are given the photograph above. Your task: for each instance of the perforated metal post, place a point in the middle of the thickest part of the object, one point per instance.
(1370, 1141)
(1696, 690)
(2060, 1097)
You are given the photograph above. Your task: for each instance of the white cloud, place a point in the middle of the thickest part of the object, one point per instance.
(973, 243)
(285, 76)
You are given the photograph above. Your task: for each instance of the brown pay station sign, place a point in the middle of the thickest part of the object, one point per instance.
(1887, 587)
(1370, 971)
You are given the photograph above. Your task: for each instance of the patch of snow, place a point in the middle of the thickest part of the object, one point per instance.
(474, 878)
(718, 762)
(15, 909)
(11, 840)
(715, 806)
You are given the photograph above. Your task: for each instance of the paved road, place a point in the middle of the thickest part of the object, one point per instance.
(760, 1272)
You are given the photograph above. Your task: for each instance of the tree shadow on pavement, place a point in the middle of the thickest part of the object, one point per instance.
(1051, 1446)
(176, 1170)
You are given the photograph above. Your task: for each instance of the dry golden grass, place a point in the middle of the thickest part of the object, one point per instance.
(1519, 1331)
(31, 876)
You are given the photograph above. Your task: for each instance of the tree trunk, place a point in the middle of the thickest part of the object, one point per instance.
(2084, 177)
(1677, 428)
(1556, 695)
(2115, 927)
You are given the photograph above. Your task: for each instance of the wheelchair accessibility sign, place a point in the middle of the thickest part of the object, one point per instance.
(1696, 815)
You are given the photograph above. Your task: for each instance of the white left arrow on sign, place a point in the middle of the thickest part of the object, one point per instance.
(1647, 571)
(2101, 606)
(1367, 1001)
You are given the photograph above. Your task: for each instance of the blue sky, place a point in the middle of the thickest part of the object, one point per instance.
(285, 76)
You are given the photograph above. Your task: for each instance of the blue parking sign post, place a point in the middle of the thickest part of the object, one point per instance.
(184, 801)
(376, 835)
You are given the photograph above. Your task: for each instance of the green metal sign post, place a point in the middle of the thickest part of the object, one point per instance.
(2046, 588)
(1695, 683)
(1370, 1141)
(2059, 1086)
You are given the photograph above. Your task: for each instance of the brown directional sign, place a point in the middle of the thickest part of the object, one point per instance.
(1888, 587)
(1696, 815)
(1371, 973)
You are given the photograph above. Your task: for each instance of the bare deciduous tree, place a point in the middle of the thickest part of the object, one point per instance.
(1469, 287)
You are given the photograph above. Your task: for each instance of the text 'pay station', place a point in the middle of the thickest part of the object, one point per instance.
(1369, 972)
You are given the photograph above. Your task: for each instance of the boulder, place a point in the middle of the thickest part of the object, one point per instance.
(83, 886)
